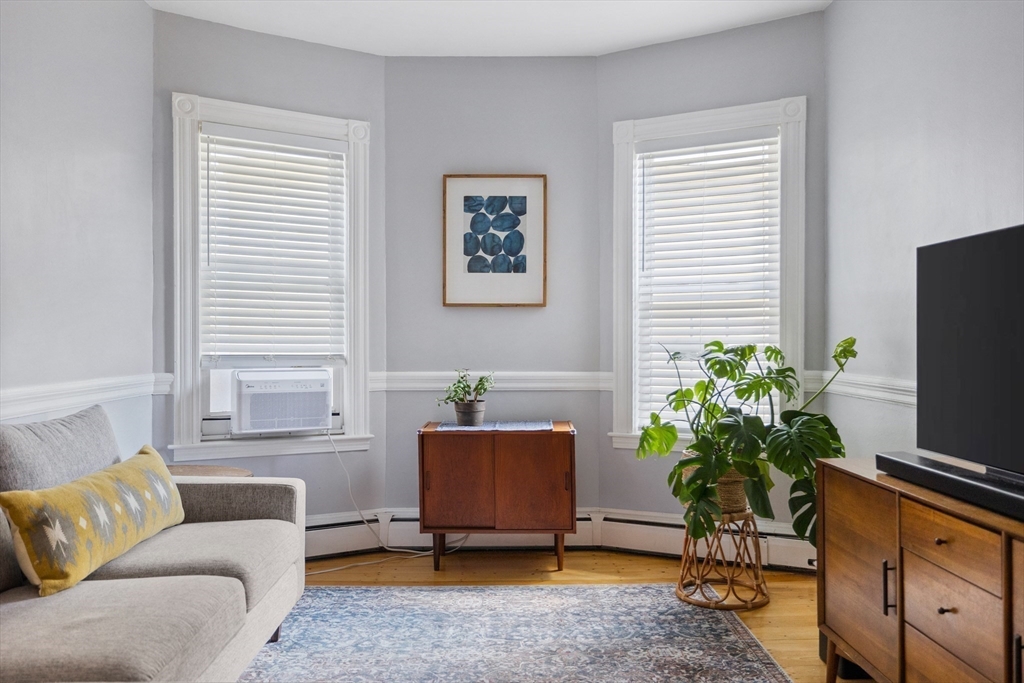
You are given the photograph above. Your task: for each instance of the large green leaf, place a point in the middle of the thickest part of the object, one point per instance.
(679, 399)
(773, 354)
(838, 450)
(844, 351)
(727, 362)
(794, 447)
(803, 506)
(657, 438)
(784, 380)
(675, 478)
(701, 514)
(742, 436)
(757, 496)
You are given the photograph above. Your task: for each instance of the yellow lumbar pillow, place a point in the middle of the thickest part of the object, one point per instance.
(63, 534)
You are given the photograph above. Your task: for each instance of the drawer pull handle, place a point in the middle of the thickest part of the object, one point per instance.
(1018, 665)
(951, 610)
(940, 541)
(426, 480)
(566, 481)
(885, 587)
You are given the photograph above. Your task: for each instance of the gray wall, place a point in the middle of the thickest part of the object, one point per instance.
(487, 115)
(213, 60)
(923, 137)
(76, 93)
(925, 142)
(743, 66)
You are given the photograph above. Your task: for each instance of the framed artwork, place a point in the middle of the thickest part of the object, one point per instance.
(495, 240)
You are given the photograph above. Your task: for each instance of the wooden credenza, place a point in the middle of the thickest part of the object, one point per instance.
(498, 482)
(915, 586)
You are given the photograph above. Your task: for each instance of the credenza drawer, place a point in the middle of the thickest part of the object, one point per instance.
(967, 550)
(926, 662)
(955, 614)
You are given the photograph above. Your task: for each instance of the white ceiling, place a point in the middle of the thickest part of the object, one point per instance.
(488, 28)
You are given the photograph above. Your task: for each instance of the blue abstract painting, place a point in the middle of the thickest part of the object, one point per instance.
(495, 234)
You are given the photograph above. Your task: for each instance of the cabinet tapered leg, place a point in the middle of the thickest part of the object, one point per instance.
(438, 550)
(831, 663)
(560, 550)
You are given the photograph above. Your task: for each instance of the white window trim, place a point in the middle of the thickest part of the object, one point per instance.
(790, 114)
(188, 111)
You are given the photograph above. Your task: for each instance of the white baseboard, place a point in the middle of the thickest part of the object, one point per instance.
(648, 532)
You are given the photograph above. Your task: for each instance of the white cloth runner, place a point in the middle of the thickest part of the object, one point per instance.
(520, 426)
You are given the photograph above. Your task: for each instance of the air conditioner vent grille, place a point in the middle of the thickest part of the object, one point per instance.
(281, 400)
(287, 410)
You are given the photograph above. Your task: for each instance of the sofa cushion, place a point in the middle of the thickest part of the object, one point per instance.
(63, 533)
(38, 455)
(165, 628)
(256, 552)
(10, 573)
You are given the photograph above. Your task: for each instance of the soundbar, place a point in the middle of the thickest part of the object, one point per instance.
(997, 495)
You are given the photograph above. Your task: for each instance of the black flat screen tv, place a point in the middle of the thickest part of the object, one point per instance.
(970, 371)
(970, 349)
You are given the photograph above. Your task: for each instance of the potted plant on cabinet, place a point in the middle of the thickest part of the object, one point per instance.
(469, 407)
(733, 446)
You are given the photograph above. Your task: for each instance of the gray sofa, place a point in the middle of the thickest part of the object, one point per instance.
(197, 601)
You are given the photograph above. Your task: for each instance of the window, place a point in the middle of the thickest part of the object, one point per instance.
(709, 220)
(270, 221)
(272, 241)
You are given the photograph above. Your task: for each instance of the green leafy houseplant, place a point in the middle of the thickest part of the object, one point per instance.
(728, 432)
(469, 407)
(461, 391)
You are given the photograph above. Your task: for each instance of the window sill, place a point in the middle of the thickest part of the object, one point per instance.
(255, 448)
(631, 441)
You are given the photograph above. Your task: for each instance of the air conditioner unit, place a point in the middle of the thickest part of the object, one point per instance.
(289, 400)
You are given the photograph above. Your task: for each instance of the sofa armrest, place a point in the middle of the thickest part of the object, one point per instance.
(223, 499)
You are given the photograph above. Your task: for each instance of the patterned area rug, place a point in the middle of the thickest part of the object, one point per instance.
(511, 633)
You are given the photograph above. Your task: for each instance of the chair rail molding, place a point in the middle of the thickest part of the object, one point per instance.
(868, 387)
(67, 396)
(503, 381)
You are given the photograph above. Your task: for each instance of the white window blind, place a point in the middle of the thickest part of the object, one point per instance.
(272, 232)
(707, 230)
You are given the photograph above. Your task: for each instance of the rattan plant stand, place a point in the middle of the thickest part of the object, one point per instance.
(732, 561)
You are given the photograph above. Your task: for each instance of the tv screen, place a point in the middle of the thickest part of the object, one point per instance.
(970, 348)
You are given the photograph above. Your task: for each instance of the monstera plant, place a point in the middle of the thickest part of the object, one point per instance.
(728, 431)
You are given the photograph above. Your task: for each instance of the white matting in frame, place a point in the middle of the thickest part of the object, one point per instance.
(495, 240)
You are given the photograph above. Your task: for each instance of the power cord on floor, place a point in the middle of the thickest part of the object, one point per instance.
(408, 554)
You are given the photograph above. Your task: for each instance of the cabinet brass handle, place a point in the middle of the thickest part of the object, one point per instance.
(1018, 666)
(943, 610)
(940, 541)
(566, 481)
(885, 587)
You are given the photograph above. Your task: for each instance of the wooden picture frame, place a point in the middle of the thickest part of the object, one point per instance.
(494, 240)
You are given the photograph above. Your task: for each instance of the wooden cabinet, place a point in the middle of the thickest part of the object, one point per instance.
(497, 482)
(1017, 611)
(457, 487)
(861, 548)
(951, 605)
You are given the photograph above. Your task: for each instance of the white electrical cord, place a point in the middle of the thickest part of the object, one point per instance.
(410, 554)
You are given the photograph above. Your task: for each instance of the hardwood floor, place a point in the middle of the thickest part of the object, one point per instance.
(787, 626)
